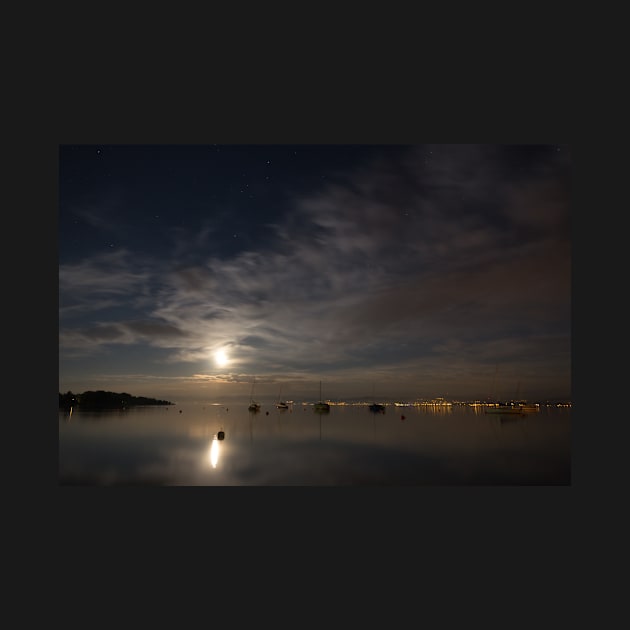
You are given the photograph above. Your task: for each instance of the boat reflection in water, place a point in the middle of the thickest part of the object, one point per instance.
(321, 409)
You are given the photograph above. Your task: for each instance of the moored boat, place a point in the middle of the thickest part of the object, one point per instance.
(281, 404)
(529, 408)
(321, 405)
(253, 405)
(516, 408)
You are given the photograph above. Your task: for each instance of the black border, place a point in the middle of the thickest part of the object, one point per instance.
(304, 112)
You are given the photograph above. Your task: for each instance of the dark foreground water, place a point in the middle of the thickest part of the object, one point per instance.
(350, 445)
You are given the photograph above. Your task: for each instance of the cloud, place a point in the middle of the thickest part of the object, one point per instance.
(105, 274)
(435, 254)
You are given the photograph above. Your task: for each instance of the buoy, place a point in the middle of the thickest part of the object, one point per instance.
(180, 411)
(220, 435)
(266, 413)
(402, 417)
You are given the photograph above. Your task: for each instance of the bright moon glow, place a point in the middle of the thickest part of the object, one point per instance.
(220, 358)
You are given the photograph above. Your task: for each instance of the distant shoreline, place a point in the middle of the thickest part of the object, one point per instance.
(107, 400)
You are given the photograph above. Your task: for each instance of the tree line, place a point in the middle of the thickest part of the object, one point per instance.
(106, 400)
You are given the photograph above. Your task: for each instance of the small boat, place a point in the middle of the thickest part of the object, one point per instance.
(504, 409)
(281, 404)
(529, 408)
(376, 407)
(321, 406)
(518, 406)
(253, 405)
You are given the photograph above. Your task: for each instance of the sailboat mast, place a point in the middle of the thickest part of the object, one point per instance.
(494, 384)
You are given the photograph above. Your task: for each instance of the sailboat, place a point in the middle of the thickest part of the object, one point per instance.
(376, 407)
(524, 405)
(281, 404)
(529, 407)
(321, 405)
(504, 409)
(518, 407)
(498, 407)
(253, 405)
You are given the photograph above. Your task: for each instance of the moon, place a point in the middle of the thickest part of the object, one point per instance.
(221, 358)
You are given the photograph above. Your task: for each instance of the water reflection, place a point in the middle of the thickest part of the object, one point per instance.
(509, 419)
(321, 410)
(428, 447)
(215, 448)
(214, 452)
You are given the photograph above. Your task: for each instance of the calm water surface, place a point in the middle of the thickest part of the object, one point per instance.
(350, 445)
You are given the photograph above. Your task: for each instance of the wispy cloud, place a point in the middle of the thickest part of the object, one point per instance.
(398, 264)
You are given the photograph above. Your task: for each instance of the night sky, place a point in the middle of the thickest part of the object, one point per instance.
(394, 272)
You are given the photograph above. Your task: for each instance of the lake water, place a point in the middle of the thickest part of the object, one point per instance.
(179, 445)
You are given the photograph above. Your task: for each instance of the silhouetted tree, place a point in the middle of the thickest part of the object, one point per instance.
(67, 400)
(106, 400)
